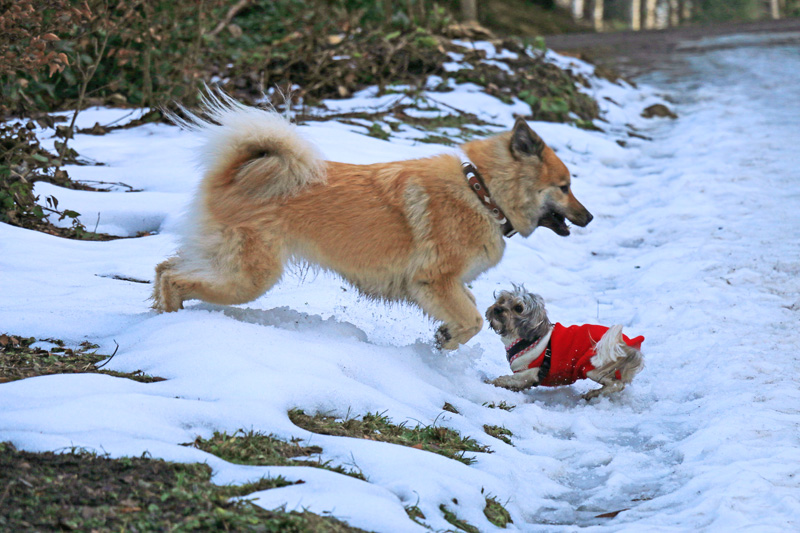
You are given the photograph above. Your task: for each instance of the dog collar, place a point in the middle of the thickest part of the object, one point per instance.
(478, 186)
(519, 347)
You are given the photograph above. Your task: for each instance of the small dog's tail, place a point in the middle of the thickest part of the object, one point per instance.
(257, 151)
(612, 354)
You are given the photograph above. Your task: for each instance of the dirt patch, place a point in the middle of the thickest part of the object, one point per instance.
(19, 359)
(254, 448)
(79, 491)
(436, 439)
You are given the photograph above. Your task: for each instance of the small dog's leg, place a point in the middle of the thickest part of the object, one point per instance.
(450, 302)
(519, 381)
(609, 387)
(627, 366)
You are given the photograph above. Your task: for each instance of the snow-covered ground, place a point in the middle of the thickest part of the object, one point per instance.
(695, 245)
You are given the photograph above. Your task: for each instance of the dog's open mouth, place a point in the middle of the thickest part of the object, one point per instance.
(556, 222)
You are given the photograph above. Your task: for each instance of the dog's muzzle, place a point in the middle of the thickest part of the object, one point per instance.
(496, 320)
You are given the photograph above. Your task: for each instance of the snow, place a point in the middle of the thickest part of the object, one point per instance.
(695, 245)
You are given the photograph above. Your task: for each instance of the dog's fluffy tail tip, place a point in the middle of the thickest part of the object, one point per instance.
(609, 347)
(613, 353)
(258, 148)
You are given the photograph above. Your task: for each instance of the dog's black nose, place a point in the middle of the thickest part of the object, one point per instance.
(498, 311)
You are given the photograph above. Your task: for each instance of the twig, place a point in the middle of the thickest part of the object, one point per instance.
(87, 76)
(232, 12)
(110, 357)
(121, 184)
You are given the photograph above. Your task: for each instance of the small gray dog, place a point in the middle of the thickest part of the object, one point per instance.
(542, 353)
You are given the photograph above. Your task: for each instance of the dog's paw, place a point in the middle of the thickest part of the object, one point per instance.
(444, 340)
(592, 394)
(508, 382)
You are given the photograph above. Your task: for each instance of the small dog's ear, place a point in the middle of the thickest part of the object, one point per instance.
(524, 141)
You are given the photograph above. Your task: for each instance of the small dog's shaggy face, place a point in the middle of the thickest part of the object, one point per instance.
(518, 314)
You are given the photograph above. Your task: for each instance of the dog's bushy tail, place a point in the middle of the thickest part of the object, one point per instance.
(612, 354)
(256, 150)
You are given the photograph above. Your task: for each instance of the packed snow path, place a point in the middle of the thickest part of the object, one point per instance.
(695, 244)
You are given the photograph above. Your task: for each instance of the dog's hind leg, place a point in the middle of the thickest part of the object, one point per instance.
(238, 272)
(449, 301)
(609, 386)
(625, 367)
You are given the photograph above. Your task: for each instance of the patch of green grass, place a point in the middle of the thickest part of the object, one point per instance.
(502, 405)
(451, 517)
(377, 131)
(19, 360)
(254, 448)
(457, 121)
(377, 426)
(496, 513)
(499, 432)
(79, 491)
(437, 139)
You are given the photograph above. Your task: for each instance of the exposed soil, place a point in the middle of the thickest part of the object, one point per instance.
(19, 359)
(79, 491)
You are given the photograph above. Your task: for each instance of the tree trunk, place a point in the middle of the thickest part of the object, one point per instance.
(577, 9)
(636, 15)
(686, 9)
(387, 12)
(566, 5)
(774, 9)
(650, 14)
(469, 10)
(674, 13)
(597, 15)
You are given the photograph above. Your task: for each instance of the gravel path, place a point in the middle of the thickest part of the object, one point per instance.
(638, 52)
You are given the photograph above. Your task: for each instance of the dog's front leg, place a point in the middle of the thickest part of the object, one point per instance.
(450, 301)
(519, 381)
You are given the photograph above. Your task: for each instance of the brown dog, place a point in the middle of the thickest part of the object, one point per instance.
(405, 231)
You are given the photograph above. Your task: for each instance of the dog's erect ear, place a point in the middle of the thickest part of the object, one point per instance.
(524, 140)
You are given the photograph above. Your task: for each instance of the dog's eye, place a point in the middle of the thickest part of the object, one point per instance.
(518, 308)
(565, 189)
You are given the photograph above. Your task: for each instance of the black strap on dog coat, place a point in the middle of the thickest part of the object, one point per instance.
(544, 369)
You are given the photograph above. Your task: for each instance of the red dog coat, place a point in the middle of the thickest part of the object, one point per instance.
(572, 349)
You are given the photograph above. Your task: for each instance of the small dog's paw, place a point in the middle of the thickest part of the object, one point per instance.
(592, 394)
(507, 382)
(444, 340)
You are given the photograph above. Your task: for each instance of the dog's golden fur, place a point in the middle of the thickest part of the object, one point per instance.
(405, 231)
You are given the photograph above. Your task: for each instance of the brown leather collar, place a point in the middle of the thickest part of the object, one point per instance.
(479, 187)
